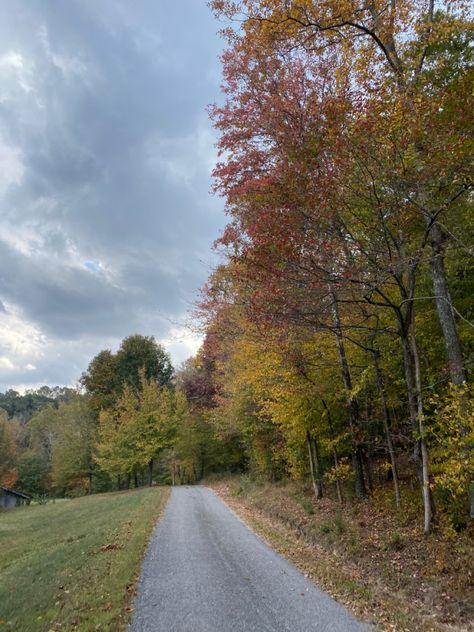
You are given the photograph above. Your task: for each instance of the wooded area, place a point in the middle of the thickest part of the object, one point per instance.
(338, 329)
(340, 323)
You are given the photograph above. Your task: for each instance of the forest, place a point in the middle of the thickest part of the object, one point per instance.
(338, 328)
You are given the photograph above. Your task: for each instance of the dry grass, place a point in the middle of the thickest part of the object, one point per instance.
(368, 556)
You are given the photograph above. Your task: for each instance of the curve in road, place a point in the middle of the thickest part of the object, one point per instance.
(206, 571)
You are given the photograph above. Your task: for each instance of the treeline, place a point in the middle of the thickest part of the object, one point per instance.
(23, 407)
(77, 441)
(128, 423)
(340, 325)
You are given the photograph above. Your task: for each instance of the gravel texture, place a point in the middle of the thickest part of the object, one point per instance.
(206, 571)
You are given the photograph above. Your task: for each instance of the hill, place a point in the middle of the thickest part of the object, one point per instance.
(72, 565)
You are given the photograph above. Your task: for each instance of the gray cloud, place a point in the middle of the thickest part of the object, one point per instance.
(105, 153)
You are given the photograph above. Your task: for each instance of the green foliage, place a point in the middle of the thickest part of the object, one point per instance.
(396, 541)
(8, 451)
(305, 503)
(74, 445)
(33, 473)
(23, 407)
(108, 373)
(452, 439)
(101, 381)
(142, 353)
(140, 426)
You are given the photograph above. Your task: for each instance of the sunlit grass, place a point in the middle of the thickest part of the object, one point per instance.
(72, 565)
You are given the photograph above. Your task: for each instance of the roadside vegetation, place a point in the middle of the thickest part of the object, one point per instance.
(367, 556)
(72, 565)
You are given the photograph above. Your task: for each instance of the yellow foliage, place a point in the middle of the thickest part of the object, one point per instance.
(452, 439)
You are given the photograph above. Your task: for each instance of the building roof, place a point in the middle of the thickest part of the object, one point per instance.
(15, 493)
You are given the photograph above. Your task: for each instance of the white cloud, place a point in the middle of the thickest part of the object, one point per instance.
(181, 344)
(71, 66)
(15, 72)
(11, 167)
(20, 340)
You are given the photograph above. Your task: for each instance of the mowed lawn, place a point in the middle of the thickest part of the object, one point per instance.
(72, 565)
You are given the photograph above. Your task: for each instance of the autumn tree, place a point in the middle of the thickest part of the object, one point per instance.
(405, 151)
(141, 424)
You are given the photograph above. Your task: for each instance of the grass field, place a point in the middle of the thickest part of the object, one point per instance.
(73, 565)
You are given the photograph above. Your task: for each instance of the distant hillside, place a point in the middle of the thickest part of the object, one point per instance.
(23, 407)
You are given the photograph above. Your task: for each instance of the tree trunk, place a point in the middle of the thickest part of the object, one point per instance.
(412, 400)
(313, 466)
(427, 501)
(447, 320)
(338, 481)
(386, 427)
(90, 483)
(352, 405)
(118, 482)
(129, 478)
(150, 472)
(444, 308)
(317, 468)
(416, 414)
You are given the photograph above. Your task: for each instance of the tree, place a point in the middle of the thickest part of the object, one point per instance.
(8, 451)
(108, 373)
(143, 352)
(102, 381)
(140, 425)
(387, 65)
(74, 445)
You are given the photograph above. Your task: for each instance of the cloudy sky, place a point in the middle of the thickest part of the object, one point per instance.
(106, 220)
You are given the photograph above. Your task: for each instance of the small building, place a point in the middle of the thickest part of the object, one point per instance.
(10, 498)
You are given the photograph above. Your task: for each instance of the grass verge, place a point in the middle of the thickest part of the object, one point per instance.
(73, 565)
(369, 558)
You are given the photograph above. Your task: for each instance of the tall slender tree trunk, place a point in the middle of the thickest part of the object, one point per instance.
(353, 408)
(340, 497)
(314, 466)
(317, 468)
(90, 482)
(444, 308)
(129, 478)
(412, 400)
(386, 426)
(118, 482)
(427, 501)
(447, 320)
(135, 478)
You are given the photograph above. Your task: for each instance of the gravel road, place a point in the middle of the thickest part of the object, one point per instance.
(205, 571)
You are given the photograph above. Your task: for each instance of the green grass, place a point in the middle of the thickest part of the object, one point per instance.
(73, 565)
